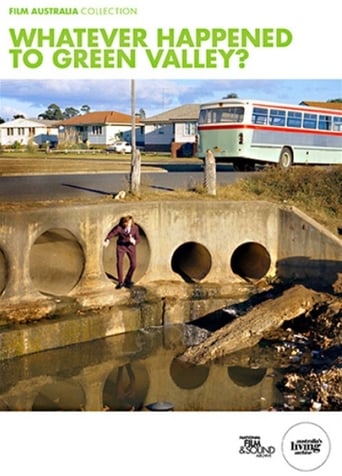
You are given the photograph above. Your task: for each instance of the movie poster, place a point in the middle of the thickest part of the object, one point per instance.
(82, 53)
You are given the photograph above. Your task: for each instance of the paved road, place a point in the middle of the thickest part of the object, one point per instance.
(51, 187)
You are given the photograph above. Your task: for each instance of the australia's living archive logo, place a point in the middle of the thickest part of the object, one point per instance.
(252, 446)
(306, 446)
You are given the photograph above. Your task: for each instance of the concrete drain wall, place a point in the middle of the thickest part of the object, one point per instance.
(48, 251)
(53, 254)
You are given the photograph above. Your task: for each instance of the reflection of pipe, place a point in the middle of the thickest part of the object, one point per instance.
(123, 391)
(246, 377)
(250, 261)
(188, 376)
(192, 261)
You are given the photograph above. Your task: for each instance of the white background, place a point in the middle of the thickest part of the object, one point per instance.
(314, 52)
(165, 444)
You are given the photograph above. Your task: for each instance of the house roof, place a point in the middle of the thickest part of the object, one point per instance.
(187, 112)
(23, 122)
(99, 117)
(325, 105)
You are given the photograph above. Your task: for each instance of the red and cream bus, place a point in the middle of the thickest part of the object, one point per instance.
(250, 132)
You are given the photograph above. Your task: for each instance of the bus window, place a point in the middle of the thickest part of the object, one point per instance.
(310, 121)
(203, 117)
(232, 114)
(324, 123)
(294, 119)
(277, 117)
(259, 115)
(337, 124)
(216, 115)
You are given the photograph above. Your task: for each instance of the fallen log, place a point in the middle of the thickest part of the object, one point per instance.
(247, 330)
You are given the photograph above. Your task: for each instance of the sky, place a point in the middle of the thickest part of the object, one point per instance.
(32, 97)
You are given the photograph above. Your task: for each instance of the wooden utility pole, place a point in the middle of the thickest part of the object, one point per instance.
(134, 179)
(210, 173)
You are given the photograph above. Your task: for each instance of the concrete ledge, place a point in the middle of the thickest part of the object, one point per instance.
(157, 305)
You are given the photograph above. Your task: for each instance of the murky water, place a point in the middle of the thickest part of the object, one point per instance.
(134, 371)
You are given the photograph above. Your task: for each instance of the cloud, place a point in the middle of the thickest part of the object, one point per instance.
(32, 97)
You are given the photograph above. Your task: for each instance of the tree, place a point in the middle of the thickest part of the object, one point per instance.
(2, 120)
(142, 113)
(18, 116)
(85, 108)
(52, 113)
(335, 100)
(70, 112)
(231, 96)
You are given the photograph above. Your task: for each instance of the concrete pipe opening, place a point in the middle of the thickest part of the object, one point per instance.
(143, 258)
(56, 262)
(192, 261)
(250, 261)
(3, 272)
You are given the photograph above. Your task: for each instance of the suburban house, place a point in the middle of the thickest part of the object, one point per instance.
(100, 129)
(173, 131)
(29, 131)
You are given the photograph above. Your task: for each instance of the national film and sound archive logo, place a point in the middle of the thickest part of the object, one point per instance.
(252, 446)
(306, 446)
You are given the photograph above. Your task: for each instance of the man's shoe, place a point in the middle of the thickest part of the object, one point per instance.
(128, 284)
(119, 286)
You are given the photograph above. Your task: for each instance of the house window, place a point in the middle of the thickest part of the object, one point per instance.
(10, 131)
(96, 130)
(190, 128)
(21, 131)
(32, 131)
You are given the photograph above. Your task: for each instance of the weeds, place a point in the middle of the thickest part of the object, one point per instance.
(316, 190)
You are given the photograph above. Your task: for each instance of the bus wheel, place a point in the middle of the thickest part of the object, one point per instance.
(285, 159)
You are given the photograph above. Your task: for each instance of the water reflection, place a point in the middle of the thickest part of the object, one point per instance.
(126, 388)
(130, 371)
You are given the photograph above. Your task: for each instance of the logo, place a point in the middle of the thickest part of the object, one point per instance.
(252, 446)
(306, 446)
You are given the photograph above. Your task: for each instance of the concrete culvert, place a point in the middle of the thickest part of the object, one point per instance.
(250, 261)
(56, 262)
(3, 272)
(192, 261)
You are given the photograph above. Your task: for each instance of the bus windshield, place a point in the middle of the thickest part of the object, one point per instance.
(221, 115)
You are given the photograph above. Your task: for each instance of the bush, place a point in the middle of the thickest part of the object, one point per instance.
(310, 187)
